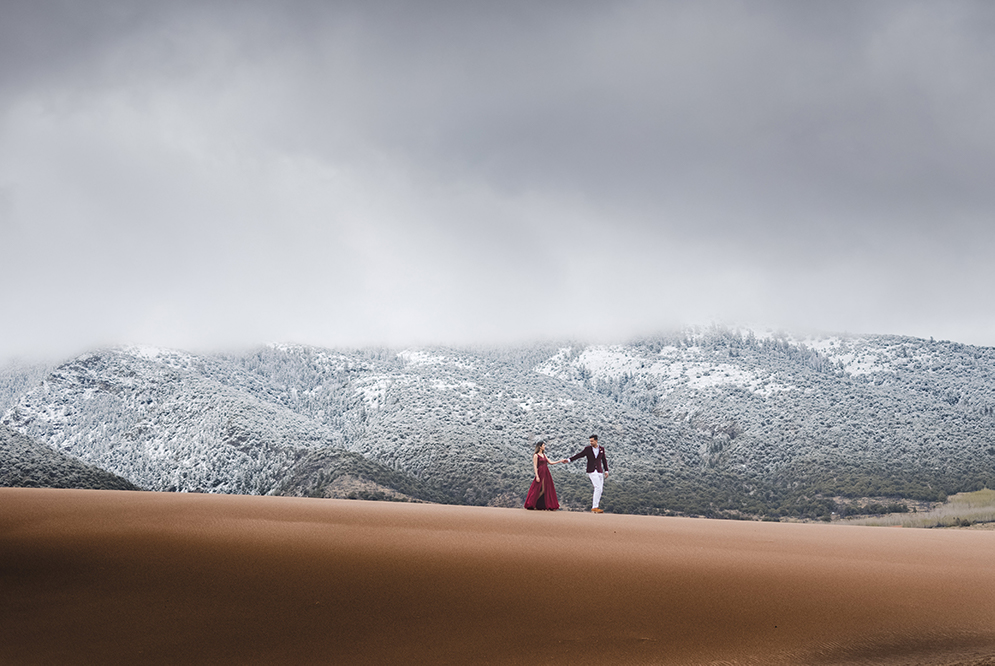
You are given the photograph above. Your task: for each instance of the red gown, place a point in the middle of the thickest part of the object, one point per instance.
(542, 493)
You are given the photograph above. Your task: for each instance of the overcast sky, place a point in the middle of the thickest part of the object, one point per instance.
(216, 174)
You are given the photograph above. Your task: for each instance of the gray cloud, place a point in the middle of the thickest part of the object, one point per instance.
(347, 173)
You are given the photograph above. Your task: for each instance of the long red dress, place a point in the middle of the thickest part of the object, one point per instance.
(542, 493)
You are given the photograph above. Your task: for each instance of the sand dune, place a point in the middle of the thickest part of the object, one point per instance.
(101, 577)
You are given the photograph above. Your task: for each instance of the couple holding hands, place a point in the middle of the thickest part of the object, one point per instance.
(542, 493)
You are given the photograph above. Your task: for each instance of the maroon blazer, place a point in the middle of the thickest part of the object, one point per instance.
(595, 463)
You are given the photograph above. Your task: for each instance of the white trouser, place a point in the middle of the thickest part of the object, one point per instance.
(598, 479)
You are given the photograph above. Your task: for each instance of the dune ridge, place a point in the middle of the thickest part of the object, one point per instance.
(99, 577)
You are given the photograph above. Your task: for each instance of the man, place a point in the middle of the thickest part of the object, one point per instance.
(597, 469)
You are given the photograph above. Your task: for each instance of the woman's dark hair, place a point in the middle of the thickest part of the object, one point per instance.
(539, 445)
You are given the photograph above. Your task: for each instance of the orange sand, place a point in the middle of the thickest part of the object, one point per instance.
(100, 577)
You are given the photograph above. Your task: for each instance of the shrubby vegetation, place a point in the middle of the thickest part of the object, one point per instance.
(27, 464)
(711, 423)
(960, 510)
(316, 476)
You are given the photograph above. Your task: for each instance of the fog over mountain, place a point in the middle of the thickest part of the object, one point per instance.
(714, 422)
(477, 222)
(208, 175)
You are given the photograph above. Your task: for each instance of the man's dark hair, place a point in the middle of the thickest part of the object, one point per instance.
(594, 437)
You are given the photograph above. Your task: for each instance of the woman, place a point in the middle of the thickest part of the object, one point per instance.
(542, 494)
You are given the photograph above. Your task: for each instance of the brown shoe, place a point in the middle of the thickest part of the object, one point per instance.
(596, 510)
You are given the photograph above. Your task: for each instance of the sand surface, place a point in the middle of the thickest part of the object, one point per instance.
(100, 577)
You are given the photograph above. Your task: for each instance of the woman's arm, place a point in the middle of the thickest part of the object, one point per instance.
(535, 465)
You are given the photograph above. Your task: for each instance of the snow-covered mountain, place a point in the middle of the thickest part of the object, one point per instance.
(713, 422)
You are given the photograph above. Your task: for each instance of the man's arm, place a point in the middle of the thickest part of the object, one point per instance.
(604, 455)
(582, 453)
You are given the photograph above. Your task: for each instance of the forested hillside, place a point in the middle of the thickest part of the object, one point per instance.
(27, 464)
(16, 379)
(712, 422)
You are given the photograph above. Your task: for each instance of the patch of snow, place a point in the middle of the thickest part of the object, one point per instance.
(374, 389)
(417, 357)
(330, 360)
(555, 364)
(670, 369)
(856, 355)
(610, 362)
(669, 351)
(469, 388)
(170, 357)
